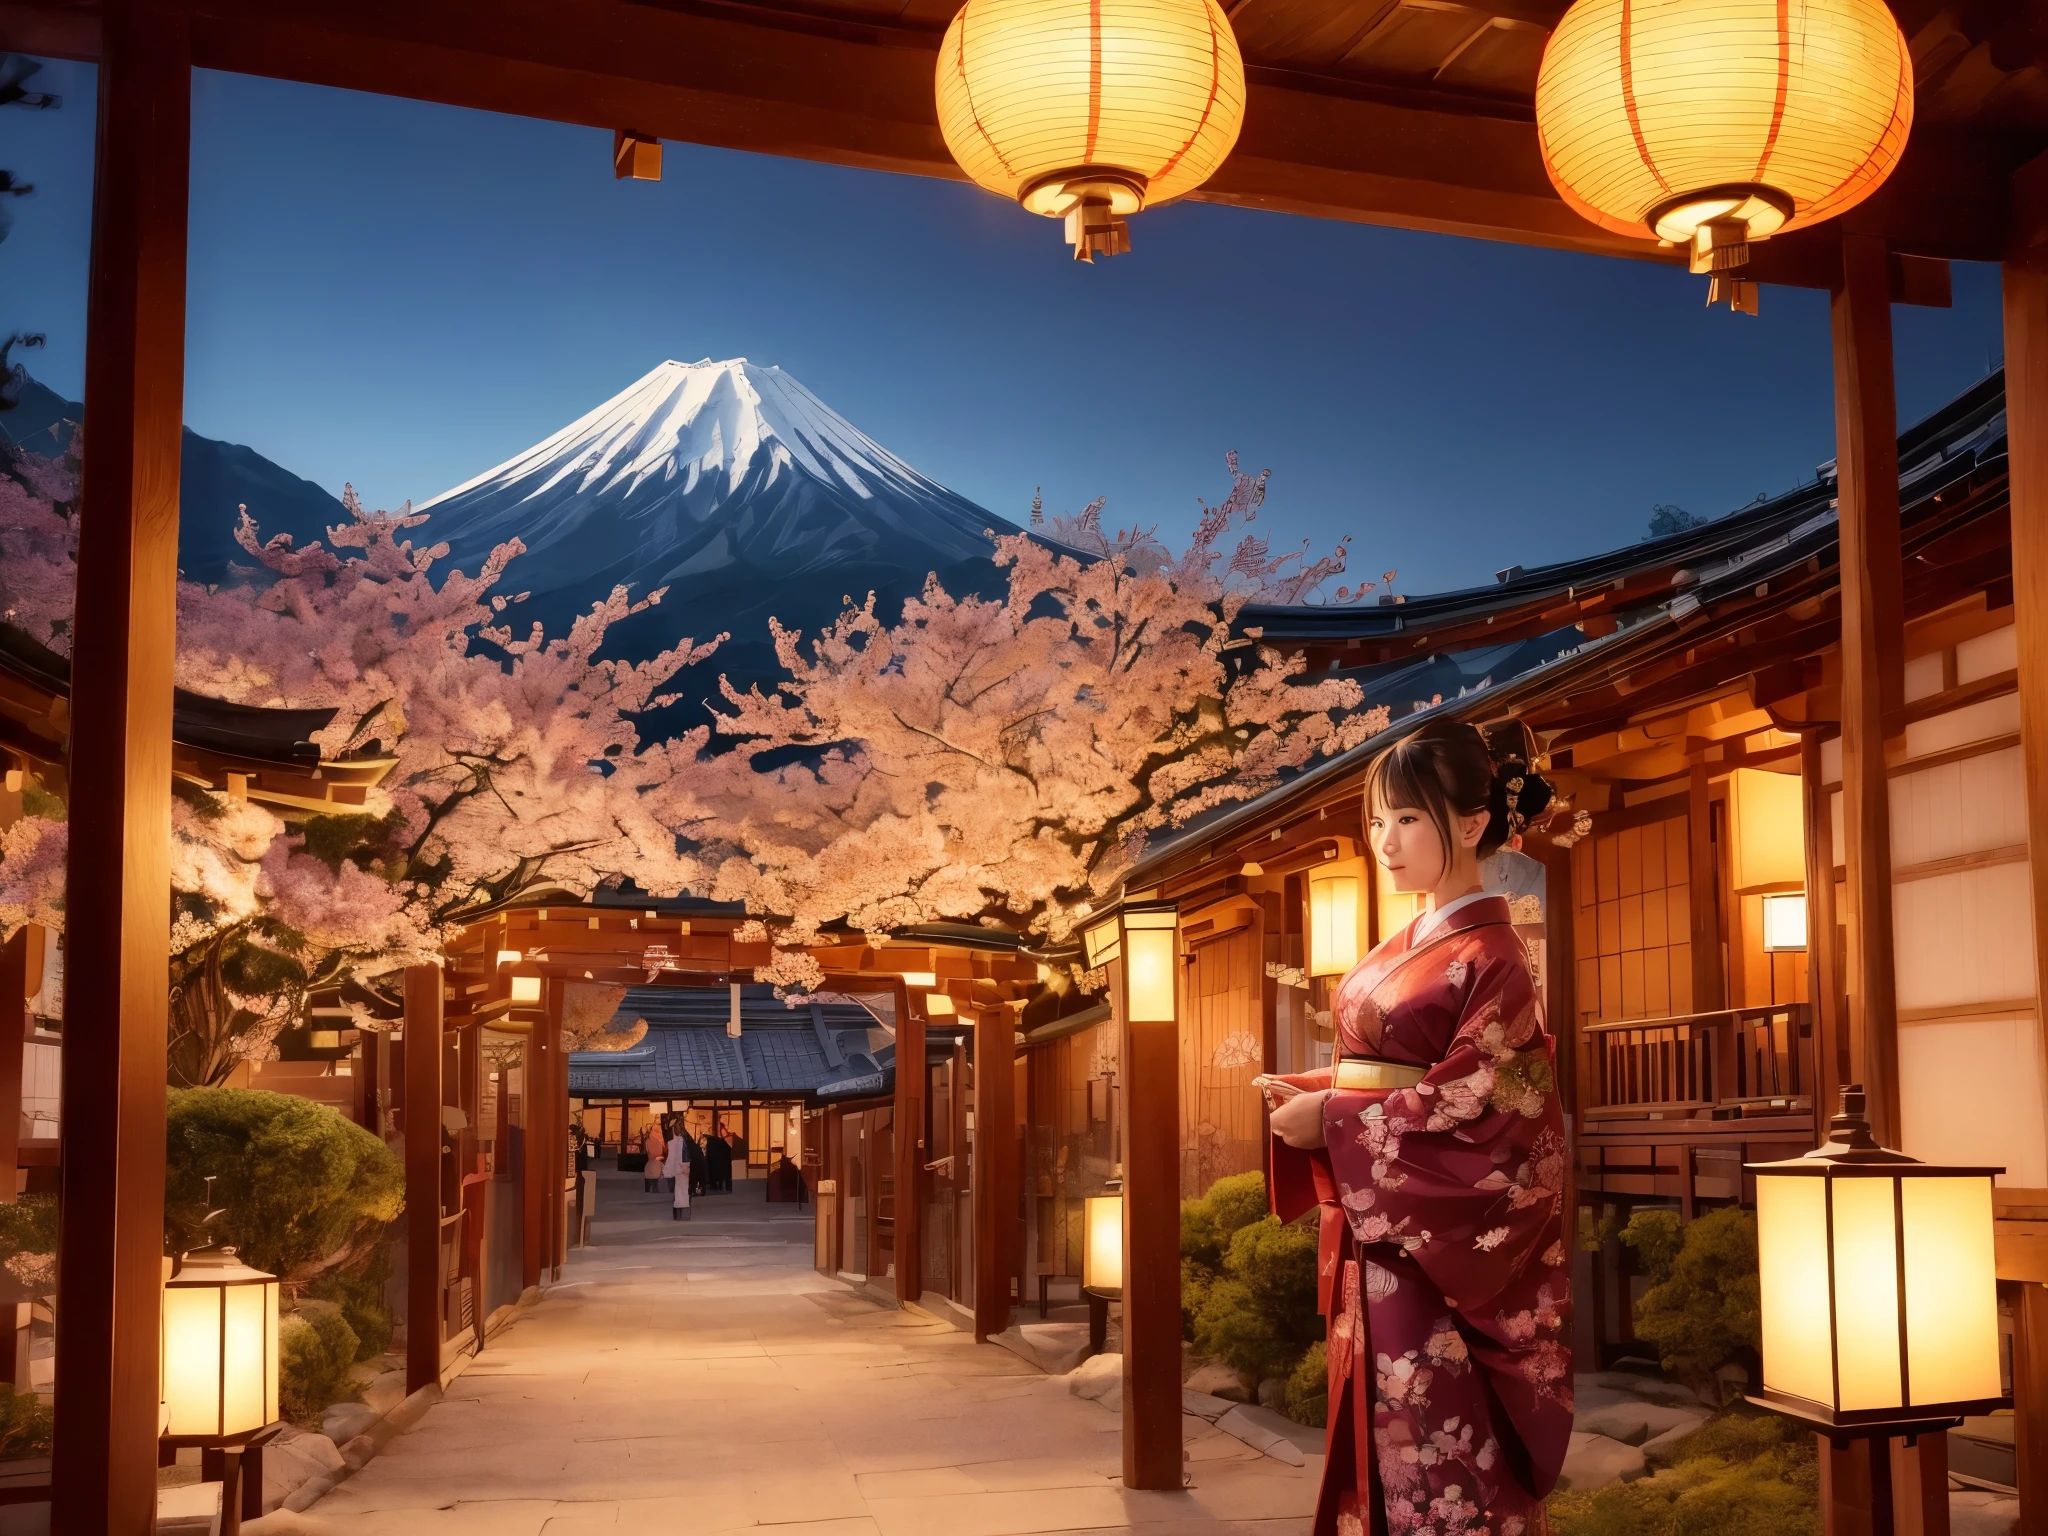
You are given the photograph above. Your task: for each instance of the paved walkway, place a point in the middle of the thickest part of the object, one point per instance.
(702, 1378)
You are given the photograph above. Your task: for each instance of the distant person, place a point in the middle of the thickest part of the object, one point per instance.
(676, 1169)
(718, 1162)
(739, 1152)
(656, 1148)
(700, 1163)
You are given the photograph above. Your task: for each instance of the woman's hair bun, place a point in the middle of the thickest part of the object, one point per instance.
(1520, 794)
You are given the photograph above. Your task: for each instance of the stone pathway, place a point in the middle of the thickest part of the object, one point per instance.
(702, 1377)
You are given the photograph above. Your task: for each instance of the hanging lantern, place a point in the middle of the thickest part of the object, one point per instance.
(1151, 948)
(1716, 123)
(1090, 110)
(1333, 924)
(1878, 1285)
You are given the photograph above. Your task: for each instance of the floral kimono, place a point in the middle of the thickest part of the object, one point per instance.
(1444, 1272)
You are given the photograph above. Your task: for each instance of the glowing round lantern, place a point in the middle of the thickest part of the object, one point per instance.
(1717, 122)
(1089, 110)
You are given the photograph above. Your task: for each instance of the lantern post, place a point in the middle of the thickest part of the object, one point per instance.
(1879, 1299)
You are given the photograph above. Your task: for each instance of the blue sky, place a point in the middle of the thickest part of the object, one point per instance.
(403, 295)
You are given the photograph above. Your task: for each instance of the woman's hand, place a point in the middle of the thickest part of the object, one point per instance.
(1299, 1122)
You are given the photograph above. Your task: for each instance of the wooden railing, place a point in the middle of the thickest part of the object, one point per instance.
(1710, 1065)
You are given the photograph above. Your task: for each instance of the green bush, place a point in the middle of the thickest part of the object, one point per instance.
(24, 1425)
(360, 1295)
(1705, 1313)
(1260, 1317)
(1208, 1224)
(302, 1190)
(315, 1348)
(1740, 1474)
(1656, 1237)
(1308, 1388)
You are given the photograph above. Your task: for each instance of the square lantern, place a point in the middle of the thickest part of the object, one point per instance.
(1102, 1263)
(1784, 922)
(525, 989)
(1151, 949)
(219, 1349)
(1332, 924)
(1878, 1285)
(939, 1005)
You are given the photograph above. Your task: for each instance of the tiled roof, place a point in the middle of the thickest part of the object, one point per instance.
(812, 1048)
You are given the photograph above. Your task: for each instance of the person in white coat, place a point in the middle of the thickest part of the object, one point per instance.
(675, 1168)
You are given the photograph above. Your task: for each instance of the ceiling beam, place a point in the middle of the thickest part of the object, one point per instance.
(745, 77)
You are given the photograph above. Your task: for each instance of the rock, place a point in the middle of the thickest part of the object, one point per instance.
(1651, 1389)
(1203, 1406)
(384, 1393)
(191, 1510)
(1218, 1380)
(1096, 1376)
(1594, 1461)
(309, 1493)
(342, 1422)
(1273, 1394)
(1663, 1448)
(357, 1453)
(1634, 1422)
(1730, 1382)
(294, 1458)
(1979, 1512)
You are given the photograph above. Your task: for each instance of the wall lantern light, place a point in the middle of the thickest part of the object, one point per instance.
(1879, 1290)
(1716, 123)
(219, 1362)
(525, 989)
(1090, 110)
(1784, 922)
(510, 957)
(1333, 924)
(939, 1005)
(1103, 942)
(1150, 949)
(1102, 1265)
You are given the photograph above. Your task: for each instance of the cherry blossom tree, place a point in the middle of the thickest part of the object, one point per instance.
(517, 766)
(1003, 760)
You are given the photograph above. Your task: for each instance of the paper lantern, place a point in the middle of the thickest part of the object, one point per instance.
(939, 1005)
(525, 989)
(1102, 1261)
(1089, 110)
(1151, 952)
(1333, 924)
(1784, 922)
(1103, 942)
(1878, 1284)
(1719, 122)
(219, 1348)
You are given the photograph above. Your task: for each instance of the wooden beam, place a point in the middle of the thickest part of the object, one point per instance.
(2030, 1401)
(554, 1145)
(1151, 1300)
(997, 1189)
(911, 1153)
(118, 875)
(537, 1167)
(859, 93)
(1824, 960)
(423, 1012)
(1709, 984)
(16, 965)
(1873, 638)
(2026, 415)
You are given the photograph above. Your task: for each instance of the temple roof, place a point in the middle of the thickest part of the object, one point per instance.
(818, 1048)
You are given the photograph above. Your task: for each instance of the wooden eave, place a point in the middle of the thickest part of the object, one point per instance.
(1416, 114)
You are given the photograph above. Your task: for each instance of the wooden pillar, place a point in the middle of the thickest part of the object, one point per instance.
(539, 1168)
(20, 973)
(996, 1175)
(118, 876)
(911, 1155)
(1873, 640)
(1708, 982)
(2030, 1392)
(1151, 1097)
(1824, 959)
(423, 1015)
(555, 1131)
(2026, 416)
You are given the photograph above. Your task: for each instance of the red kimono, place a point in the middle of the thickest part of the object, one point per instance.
(1445, 1274)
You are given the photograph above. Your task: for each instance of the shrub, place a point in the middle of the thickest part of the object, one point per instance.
(1208, 1224)
(24, 1425)
(1705, 1313)
(1740, 1474)
(360, 1295)
(301, 1189)
(1261, 1317)
(1656, 1237)
(315, 1348)
(1308, 1388)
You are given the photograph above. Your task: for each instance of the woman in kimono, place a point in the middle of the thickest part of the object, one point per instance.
(676, 1169)
(1435, 1150)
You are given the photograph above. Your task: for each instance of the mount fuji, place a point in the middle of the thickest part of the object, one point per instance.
(734, 487)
